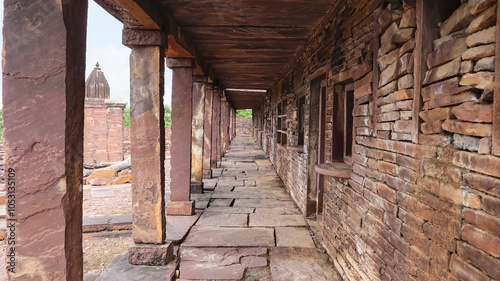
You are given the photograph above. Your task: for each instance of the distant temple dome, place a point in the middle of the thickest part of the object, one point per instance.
(97, 86)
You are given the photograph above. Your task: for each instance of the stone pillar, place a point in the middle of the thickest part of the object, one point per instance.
(147, 139)
(231, 123)
(216, 130)
(43, 105)
(180, 173)
(224, 125)
(207, 132)
(199, 84)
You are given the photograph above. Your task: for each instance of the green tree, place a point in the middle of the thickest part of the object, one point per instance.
(167, 117)
(244, 113)
(126, 117)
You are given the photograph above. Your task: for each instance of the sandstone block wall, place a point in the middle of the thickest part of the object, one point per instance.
(103, 131)
(244, 125)
(422, 202)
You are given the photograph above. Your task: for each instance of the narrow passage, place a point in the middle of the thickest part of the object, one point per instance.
(251, 229)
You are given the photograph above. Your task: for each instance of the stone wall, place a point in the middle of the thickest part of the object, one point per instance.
(126, 141)
(422, 201)
(244, 125)
(103, 131)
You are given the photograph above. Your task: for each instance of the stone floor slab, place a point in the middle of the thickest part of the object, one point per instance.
(232, 210)
(120, 270)
(179, 226)
(221, 202)
(301, 264)
(221, 256)
(294, 237)
(271, 220)
(222, 219)
(201, 236)
(256, 203)
(210, 271)
(278, 211)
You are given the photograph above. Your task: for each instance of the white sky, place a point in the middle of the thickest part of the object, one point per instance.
(104, 37)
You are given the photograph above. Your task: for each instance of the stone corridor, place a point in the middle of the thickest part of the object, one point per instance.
(252, 229)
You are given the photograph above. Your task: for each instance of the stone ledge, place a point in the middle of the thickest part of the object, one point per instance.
(336, 169)
(299, 149)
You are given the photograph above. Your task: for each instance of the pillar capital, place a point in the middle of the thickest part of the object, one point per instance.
(139, 37)
(181, 63)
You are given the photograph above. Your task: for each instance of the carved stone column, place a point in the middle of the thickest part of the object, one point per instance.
(43, 104)
(199, 84)
(207, 132)
(147, 138)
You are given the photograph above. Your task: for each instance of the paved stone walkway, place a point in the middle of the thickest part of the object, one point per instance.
(251, 229)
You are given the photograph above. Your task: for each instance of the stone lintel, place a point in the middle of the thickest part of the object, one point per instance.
(196, 187)
(180, 208)
(151, 254)
(200, 79)
(181, 62)
(141, 37)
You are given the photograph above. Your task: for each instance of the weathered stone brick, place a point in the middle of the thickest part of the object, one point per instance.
(387, 108)
(481, 80)
(438, 101)
(388, 59)
(444, 71)
(485, 164)
(386, 192)
(483, 20)
(479, 52)
(477, 6)
(439, 236)
(485, 36)
(491, 205)
(403, 35)
(404, 105)
(402, 126)
(439, 255)
(444, 88)
(480, 259)
(483, 240)
(433, 127)
(362, 91)
(474, 112)
(388, 116)
(482, 220)
(407, 47)
(406, 81)
(406, 114)
(464, 271)
(483, 183)
(387, 89)
(467, 67)
(447, 51)
(485, 64)
(386, 39)
(403, 94)
(440, 113)
(466, 128)
(461, 18)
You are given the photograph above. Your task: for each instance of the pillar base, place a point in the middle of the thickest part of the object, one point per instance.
(207, 174)
(213, 163)
(196, 188)
(180, 208)
(151, 254)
